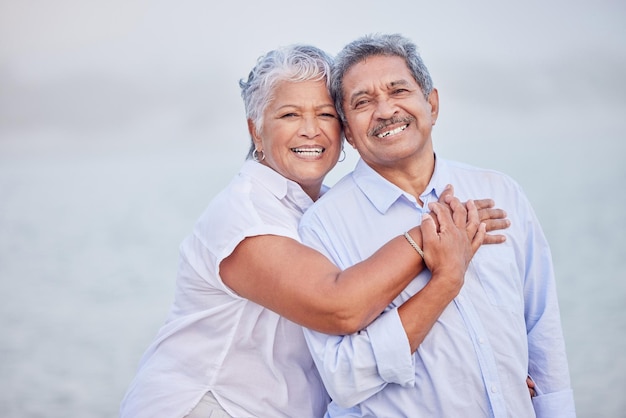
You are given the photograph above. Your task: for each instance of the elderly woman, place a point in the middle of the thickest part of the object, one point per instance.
(232, 344)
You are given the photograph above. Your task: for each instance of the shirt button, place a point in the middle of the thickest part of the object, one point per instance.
(494, 389)
(481, 341)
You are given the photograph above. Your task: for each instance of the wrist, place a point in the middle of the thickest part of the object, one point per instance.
(447, 284)
(414, 244)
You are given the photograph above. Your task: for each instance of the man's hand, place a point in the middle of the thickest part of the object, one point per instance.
(531, 387)
(494, 219)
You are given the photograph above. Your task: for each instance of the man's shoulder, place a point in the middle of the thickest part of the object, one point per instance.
(337, 197)
(337, 193)
(473, 173)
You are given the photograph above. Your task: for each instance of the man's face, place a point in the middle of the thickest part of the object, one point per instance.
(388, 119)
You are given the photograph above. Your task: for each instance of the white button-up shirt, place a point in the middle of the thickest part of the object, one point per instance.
(255, 362)
(503, 326)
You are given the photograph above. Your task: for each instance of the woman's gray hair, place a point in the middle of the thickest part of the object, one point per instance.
(294, 63)
(378, 44)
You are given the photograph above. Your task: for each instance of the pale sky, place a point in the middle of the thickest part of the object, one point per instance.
(101, 65)
(534, 88)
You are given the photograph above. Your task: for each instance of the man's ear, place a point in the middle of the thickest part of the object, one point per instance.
(433, 100)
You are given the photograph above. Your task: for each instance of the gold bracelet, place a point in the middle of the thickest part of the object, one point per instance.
(414, 244)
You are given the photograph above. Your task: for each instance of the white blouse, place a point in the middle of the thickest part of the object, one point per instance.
(255, 362)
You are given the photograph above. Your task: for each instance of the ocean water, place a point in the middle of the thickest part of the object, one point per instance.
(89, 239)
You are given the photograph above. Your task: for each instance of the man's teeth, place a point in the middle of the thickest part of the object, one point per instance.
(392, 132)
(308, 152)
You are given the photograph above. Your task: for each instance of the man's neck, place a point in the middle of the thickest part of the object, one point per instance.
(411, 175)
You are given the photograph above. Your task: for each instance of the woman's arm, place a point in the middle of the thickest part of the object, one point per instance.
(304, 286)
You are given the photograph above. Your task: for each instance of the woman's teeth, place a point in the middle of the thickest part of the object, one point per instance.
(308, 152)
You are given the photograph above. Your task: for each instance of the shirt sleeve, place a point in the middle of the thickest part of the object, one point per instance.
(548, 365)
(355, 367)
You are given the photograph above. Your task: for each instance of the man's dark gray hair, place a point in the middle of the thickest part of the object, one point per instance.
(372, 45)
(293, 63)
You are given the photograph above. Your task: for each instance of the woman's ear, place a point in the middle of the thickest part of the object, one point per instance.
(253, 132)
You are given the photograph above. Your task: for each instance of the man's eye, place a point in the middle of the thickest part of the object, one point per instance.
(360, 103)
(289, 115)
(328, 115)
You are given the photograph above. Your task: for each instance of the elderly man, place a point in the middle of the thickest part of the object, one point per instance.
(471, 355)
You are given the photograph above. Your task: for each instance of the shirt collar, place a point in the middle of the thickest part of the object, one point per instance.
(383, 194)
(278, 185)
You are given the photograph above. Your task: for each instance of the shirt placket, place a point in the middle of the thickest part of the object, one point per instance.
(483, 349)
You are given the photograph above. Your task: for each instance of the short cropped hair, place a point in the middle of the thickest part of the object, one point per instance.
(294, 63)
(372, 45)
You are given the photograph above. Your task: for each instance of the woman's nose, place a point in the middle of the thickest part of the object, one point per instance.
(309, 127)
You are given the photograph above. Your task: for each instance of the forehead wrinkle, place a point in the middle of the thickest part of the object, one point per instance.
(389, 85)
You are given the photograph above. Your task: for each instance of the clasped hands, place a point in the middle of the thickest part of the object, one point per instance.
(453, 232)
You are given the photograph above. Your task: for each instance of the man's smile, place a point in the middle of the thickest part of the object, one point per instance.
(392, 132)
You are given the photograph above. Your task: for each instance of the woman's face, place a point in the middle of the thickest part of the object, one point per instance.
(301, 135)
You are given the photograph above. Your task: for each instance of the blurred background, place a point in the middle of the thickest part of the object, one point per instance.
(120, 120)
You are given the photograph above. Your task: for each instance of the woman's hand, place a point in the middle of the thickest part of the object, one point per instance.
(451, 234)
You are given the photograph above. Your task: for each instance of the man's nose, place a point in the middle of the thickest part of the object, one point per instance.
(385, 108)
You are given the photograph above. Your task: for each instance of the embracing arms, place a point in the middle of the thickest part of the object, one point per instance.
(302, 285)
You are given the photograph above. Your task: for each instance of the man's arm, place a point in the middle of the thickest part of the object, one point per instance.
(348, 364)
(548, 366)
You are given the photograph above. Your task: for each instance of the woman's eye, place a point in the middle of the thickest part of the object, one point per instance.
(289, 115)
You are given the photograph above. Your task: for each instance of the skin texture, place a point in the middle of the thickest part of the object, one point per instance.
(296, 281)
(381, 95)
(301, 117)
(389, 122)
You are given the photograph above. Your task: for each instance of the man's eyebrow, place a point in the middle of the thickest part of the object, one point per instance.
(395, 83)
(398, 83)
(357, 94)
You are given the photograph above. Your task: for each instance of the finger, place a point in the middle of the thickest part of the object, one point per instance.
(472, 219)
(446, 194)
(444, 216)
(496, 224)
(494, 239)
(479, 238)
(434, 218)
(531, 387)
(429, 235)
(485, 203)
(459, 212)
(486, 214)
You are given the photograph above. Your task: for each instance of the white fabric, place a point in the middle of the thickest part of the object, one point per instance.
(255, 362)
